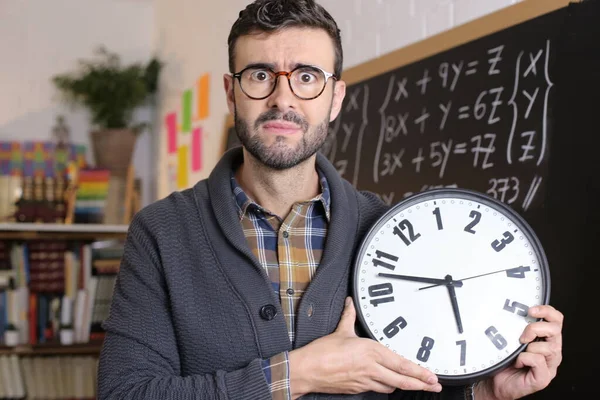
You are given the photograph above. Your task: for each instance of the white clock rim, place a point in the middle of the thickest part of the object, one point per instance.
(468, 195)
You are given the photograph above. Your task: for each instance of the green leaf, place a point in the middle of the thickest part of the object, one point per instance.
(109, 90)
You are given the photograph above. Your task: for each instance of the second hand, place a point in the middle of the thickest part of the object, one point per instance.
(471, 277)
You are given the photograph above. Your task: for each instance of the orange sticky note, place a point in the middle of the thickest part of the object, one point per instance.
(202, 96)
(182, 167)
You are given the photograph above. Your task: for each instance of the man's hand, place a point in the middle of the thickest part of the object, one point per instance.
(536, 366)
(343, 363)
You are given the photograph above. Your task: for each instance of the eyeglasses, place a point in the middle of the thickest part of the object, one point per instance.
(307, 82)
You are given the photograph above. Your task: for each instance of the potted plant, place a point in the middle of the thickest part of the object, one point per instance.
(111, 92)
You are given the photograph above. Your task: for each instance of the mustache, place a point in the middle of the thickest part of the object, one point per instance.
(275, 115)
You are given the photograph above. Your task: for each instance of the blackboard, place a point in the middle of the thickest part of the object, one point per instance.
(511, 105)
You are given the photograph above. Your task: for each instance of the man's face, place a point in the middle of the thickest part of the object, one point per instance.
(282, 130)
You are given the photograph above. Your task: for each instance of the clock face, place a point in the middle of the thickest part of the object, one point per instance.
(445, 279)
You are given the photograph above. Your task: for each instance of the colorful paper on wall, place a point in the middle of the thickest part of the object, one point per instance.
(171, 124)
(182, 167)
(197, 149)
(186, 116)
(202, 96)
(185, 154)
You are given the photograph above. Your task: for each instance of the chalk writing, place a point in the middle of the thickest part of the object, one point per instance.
(475, 117)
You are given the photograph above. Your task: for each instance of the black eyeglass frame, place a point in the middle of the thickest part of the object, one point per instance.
(287, 74)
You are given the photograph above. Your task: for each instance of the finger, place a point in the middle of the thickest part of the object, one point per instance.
(379, 387)
(392, 378)
(542, 348)
(539, 375)
(550, 351)
(548, 313)
(551, 331)
(407, 368)
(346, 324)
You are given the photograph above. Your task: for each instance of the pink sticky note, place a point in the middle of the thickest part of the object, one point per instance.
(171, 123)
(197, 149)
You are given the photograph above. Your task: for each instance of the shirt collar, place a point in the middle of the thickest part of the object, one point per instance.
(245, 204)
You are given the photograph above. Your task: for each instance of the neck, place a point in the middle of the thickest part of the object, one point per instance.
(278, 190)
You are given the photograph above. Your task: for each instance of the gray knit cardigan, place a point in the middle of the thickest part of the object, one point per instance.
(185, 320)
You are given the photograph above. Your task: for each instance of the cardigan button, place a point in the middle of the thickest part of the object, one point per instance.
(268, 312)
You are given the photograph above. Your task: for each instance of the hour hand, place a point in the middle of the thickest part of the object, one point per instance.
(420, 279)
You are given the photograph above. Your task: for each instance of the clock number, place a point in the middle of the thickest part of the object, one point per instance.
(425, 350)
(498, 245)
(438, 218)
(518, 272)
(392, 329)
(477, 217)
(463, 351)
(516, 307)
(383, 289)
(405, 224)
(496, 338)
(379, 263)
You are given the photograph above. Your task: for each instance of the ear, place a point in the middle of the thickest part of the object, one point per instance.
(339, 92)
(228, 83)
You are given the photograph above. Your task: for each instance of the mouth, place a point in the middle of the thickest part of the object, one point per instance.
(281, 127)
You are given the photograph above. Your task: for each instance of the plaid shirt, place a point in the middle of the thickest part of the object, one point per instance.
(290, 251)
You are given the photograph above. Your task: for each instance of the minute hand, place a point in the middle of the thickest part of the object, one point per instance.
(465, 279)
(422, 279)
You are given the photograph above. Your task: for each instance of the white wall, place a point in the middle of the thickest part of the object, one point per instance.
(41, 38)
(371, 28)
(192, 36)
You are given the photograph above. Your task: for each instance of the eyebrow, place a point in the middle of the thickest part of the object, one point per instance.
(260, 65)
(272, 66)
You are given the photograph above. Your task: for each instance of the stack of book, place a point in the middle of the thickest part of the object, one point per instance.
(92, 193)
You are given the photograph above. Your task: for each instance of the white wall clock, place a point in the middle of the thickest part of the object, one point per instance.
(445, 278)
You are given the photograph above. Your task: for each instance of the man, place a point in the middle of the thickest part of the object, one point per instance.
(237, 287)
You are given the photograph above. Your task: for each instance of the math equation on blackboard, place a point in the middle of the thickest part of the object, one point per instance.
(478, 116)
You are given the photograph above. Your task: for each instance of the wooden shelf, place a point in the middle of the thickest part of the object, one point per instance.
(92, 348)
(26, 231)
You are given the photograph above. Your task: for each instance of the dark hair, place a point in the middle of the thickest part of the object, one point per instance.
(272, 15)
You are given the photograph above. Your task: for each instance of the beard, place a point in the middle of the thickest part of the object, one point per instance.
(280, 155)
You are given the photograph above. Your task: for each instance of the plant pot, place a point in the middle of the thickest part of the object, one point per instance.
(113, 149)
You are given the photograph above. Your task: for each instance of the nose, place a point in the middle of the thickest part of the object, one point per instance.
(282, 98)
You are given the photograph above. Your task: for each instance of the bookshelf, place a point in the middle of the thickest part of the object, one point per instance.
(80, 234)
(82, 260)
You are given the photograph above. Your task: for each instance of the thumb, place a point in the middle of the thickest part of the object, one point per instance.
(346, 324)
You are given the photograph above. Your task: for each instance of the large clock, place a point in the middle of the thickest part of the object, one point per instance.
(446, 277)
